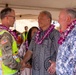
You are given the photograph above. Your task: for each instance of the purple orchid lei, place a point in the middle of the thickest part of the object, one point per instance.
(9, 30)
(68, 30)
(26, 45)
(50, 29)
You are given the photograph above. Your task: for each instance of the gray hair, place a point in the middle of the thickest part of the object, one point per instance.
(48, 14)
(71, 12)
(5, 11)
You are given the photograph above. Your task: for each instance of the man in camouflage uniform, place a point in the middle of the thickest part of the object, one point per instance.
(8, 47)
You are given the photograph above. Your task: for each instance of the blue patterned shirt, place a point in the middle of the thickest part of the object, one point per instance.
(66, 58)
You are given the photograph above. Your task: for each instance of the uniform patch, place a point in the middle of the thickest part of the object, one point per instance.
(4, 41)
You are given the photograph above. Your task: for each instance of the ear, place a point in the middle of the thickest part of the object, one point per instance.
(68, 18)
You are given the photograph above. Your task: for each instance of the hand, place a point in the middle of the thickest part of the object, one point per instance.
(22, 65)
(52, 67)
(28, 65)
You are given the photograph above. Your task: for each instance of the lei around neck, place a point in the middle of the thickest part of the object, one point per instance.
(65, 34)
(48, 31)
(10, 31)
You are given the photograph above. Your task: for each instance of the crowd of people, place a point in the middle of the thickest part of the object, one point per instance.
(41, 50)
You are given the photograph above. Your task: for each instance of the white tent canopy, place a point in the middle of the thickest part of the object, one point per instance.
(31, 8)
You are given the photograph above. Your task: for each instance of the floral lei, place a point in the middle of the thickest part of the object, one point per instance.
(26, 44)
(39, 41)
(68, 30)
(10, 31)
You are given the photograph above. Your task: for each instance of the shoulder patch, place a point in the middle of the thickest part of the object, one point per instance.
(4, 41)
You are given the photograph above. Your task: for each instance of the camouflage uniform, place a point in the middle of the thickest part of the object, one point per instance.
(6, 41)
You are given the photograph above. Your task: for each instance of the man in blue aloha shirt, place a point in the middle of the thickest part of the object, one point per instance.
(66, 58)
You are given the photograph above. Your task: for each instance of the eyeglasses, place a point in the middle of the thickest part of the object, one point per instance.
(11, 16)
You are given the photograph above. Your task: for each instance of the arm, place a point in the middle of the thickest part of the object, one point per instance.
(7, 54)
(54, 47)
(27, 56)
(29, 53)
(24, 62)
